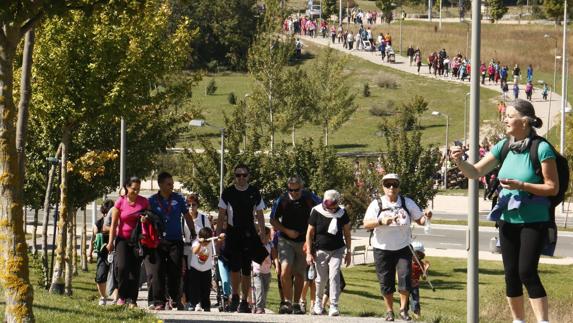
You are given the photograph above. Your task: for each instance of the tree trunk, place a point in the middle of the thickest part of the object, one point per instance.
(46, 219)
(25, 215)
(326, 134)
(84, 258)
(293, 136)
(34, 232)
(69, 263)
(271, 124)
(57, 286)
(74, 240)
(14, 274)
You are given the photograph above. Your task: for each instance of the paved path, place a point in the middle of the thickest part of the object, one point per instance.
(546, 110)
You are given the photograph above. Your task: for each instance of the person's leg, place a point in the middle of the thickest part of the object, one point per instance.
(152, 269)
(334, 265)
(509, 235)
(195, 292)
(299, 269)
(205, 284)
(265, 288)
(415, 300)
(321, 262)
(404, 268)
(134, 276)
(286, 257)
(258, 282)
(122, 266)
(532, 241)
(173, 261)
(385, 263)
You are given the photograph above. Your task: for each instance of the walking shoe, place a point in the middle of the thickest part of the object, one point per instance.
(286, 308)
(159, 307)
(317, 309)
(389, 316)
(333, 310)
(260, 311)
(303, 306)
(244, 307)
(234, 304)
(120, 301)
(404, 315)
(102, 301)
(190, 307)
(296, 309)
(198, 308)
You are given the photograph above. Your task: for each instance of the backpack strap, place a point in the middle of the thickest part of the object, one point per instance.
(403, 201)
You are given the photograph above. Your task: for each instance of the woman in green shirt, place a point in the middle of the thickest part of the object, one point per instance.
(523, 227)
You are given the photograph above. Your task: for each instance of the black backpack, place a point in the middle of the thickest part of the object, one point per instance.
(563, 175)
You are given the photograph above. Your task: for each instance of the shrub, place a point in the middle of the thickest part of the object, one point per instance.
(366, 90)
(386, 81)
(211, 87)
(232, 98)
(382, 111)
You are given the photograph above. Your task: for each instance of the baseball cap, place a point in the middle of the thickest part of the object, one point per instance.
(391, 177)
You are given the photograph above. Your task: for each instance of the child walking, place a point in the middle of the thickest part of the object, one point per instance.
(200, 271)
(262, 277)
(417, 272)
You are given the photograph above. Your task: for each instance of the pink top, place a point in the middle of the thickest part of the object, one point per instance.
(129, 214)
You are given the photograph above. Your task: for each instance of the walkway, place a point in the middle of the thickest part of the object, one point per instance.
(546, 110)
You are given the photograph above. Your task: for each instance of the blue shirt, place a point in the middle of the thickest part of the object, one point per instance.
(170, 210)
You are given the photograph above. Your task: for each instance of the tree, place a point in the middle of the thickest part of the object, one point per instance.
(554, 9)
(329, 8)
(334, 101)
(496, 9)
(268, 57)
(115, 63)
(387, 6)
(409, 113)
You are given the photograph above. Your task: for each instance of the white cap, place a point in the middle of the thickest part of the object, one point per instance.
(391, 176)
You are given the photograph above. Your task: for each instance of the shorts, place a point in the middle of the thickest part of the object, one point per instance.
(290, 252)
(387, 263)
(237, 251)
(102, 266)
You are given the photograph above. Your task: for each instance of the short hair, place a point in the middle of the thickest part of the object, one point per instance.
(163, 176)
(193, 197)
(295, 180)
(106, 206)
(242, 166)
(205, 233)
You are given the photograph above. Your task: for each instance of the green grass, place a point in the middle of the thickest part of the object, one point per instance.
(448, 304)
(359, 133)
(81, 306)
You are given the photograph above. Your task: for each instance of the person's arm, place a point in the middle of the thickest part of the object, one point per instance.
(549, 187)
(113, 228)
(221, 221)
(423, 219)
(348, 241)
(482, 167)
(309, 240)
(261, 222)
(91, 249)
(189, 221)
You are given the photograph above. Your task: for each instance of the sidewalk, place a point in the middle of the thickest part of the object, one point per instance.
(542, 108)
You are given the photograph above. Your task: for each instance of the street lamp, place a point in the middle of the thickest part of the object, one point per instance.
(466, 117)
(446, 157)
(552, 88)
(564, 69)
(203, 123)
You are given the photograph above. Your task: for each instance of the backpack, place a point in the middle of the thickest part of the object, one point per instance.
(563, 175)
(403, 203)
(147, 234)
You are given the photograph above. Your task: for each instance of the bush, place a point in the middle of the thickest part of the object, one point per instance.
(382, 111)
(366, 90)
(211, 87)
(232, 98)
(386, 81)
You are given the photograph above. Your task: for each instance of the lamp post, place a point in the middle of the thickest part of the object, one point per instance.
(446, 157)
(440, 24)
(466, 117)
(430, 10)
(563, 82)
(552, 88)
(203, 123)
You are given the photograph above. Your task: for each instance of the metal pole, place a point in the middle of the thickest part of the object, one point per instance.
(553, 87)
(122, 151)
(94, 212)
(473, 189)
(440, 25)
(466, 118)
(320, 12)
(222, 174)
(401, 33)
(446, 157)
(429, 10)
(340, 13)
(563, 81)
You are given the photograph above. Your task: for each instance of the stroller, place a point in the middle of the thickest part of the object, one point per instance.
(221, 278)
(367, 45)
(390, 55)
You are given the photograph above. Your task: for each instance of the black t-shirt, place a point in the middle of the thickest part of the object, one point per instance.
(294, 214)
(241, 205)
(325, 240)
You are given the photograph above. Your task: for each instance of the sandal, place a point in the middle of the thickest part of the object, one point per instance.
(389, 316)
(404, 315)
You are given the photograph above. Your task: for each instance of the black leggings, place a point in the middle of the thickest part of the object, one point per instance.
(127, 266)
(521, 246)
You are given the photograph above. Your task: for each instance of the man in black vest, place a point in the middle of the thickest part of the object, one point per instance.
(290, 215)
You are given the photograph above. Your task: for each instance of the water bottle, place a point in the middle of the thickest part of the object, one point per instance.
(311, 273)
(428, 227)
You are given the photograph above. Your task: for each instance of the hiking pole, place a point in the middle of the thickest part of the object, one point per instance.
(422, 267)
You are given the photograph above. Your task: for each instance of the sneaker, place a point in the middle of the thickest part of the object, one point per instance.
(151, 307)
(190, 307)
(389, 316)
(286, 308)
(198, 308)
(102, 301)
(317, 309)
(234, 305)
(120, 301)
(260, 311)
(333, 310)
(159, 307)
(296, 309)
(302, 307)
(244, 307)
(404, 315)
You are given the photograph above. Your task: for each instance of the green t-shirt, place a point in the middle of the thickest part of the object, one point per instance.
(519, 166)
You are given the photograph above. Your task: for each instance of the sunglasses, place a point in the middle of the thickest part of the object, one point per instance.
(294, 189)
(241, 175)
(391, 185)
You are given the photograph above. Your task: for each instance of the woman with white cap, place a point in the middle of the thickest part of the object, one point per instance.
(328, 235)
(390, 217)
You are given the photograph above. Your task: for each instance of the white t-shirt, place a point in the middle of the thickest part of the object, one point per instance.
(398, 234)
(265, 267)
(187, 234)
(203, 260)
